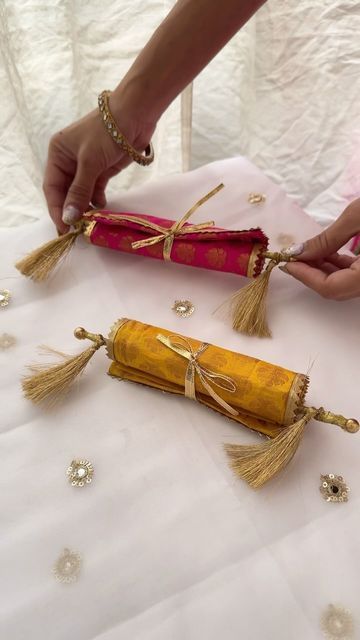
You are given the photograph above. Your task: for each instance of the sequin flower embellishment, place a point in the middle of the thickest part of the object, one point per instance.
(67, 567)
(333, 488)
(80, 473)
(5, 296)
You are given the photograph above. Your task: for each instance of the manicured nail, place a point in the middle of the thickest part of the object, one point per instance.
(71, 214)
(283, 267)
(294, 249)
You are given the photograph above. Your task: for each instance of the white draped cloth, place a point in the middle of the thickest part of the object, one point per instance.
(285, 92)
(173, 545)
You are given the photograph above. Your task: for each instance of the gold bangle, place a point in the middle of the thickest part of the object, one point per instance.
(112, 129)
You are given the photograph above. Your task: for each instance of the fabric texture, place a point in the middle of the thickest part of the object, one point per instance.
(285, 92)
(261, 390)
(173, 546)
(211, 248)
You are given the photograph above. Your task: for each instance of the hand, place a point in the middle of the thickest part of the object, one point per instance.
(320, 267)
(82, 158)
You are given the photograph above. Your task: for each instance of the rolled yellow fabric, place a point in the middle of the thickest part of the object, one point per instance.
(262, 396)
(266, 397)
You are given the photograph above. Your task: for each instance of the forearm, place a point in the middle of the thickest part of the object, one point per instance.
(191, 35)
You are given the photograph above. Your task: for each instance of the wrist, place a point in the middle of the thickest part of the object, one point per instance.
(135, 96)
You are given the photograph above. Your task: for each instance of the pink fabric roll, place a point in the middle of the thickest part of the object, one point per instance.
(239, 252)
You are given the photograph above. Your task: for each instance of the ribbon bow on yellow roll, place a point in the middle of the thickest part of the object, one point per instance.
(262, 396)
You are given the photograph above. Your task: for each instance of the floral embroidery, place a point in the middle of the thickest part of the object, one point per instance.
(271, 376)
(100, 240)
(243, 261)
(185, 252)
(176, 367)
(216, 257)
(333, 488)
(337, 623)
(243, 386)
(155, 250)
(261, 405)
(128, 353)
(125, 243)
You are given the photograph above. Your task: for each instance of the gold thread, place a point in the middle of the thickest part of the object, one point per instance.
(89, 226)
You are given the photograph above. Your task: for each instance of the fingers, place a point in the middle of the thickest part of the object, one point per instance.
(341, 260)
(341, 284)
(80, 193)
(55, 187)
(99, 198)
(332, 238)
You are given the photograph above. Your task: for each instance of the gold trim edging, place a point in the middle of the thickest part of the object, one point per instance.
(253, 258)
(296, 398)
(89, 226)
(112, 335)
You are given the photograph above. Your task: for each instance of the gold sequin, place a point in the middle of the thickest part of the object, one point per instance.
(80, 472)
(183, 308)
(5, 296)
(67, 567)
(333, 488)
(337, 623)
(6, 341)
(256, 198)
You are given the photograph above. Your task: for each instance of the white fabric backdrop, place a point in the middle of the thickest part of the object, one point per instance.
(174, 546)
(285, 92)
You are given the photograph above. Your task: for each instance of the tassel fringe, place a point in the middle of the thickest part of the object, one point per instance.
(247, 307)
(258, 463)
(40, 263)
(48, 384)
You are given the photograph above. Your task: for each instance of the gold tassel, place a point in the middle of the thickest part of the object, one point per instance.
(40, 263)
(48, 384)
(258, 463)
(247, 307)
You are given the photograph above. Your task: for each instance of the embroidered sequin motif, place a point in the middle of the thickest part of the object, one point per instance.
(6, 341)
(183, 308)
(67, 567)
(333, 488)
(256, 198)
(80, 472)
(5, 296)
(337, 623)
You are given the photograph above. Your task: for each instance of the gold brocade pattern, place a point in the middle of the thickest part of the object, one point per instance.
(264, 395)
(185, 252)
(216, 258)
(125, 243)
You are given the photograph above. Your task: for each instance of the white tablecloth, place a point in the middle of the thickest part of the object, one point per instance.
(174, 547)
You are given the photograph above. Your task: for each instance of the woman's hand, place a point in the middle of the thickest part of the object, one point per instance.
(82, 158)
(320, 267)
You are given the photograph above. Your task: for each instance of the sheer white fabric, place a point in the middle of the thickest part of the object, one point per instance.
(285, 92)
(173, 546)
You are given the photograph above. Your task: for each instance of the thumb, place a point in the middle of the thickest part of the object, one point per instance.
(331, 239)
(79, 194)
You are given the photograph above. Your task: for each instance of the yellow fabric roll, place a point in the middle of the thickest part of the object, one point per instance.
(266, 397)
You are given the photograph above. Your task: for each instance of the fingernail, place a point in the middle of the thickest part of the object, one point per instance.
(71, 214)
(283, 267)
(294, 249)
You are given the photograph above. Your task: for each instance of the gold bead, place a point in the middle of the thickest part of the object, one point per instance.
(80, 333)
(352, 426)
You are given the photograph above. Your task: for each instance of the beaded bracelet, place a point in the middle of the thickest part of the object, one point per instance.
(112, 129)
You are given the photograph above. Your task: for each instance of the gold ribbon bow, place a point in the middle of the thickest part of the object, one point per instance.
(168, 235)
(184, 349)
